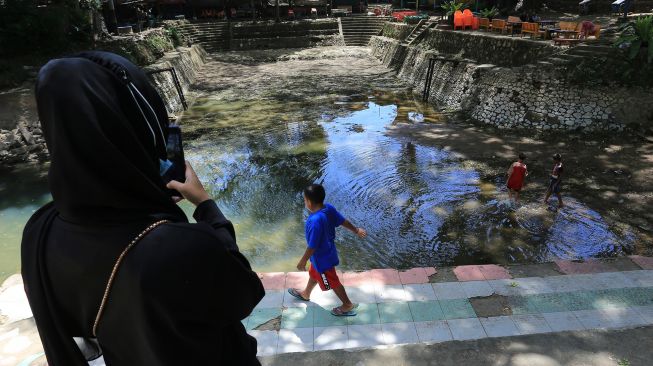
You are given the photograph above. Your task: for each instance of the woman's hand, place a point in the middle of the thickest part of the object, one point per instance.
(192, 189)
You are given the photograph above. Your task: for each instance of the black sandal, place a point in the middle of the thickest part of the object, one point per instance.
(296, 294)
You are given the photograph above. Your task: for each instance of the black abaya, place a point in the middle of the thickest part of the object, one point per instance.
(181, 292)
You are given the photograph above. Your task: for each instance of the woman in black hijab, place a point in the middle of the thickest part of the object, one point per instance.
(179, 293)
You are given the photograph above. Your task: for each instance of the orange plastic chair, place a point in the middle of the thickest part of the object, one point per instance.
(476, 23)
(468, 18)
(458, 20)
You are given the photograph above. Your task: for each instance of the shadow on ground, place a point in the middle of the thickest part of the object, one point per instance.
(586, 348)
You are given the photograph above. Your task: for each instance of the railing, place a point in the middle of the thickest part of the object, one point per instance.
(429, 78)
(176, 81)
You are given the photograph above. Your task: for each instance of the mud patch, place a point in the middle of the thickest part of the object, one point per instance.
(272, 324)
(443, 274)
(534, 270)
(493, 305)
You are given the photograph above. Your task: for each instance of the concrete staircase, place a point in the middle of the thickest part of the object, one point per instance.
(582, 52)
(417, 32)
(213, 36)
(358, 29)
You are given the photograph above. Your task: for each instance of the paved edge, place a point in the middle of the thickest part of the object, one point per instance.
(577, 348)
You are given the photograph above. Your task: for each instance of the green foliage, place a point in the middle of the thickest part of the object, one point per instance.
(158, 45)
(623, 362)
(27, 29)
(490, 13)
(453, 6)
(90, 4)
(142, 52)
(635, 36)
(174, 35)
(414, 19)
(11, 74)
(395, 30)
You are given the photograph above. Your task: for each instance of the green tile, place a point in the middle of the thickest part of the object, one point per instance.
(575, 301)
(367, 314)
(263, 315)
(522, 305)
(544, 303)
(457, 309)
(394, 312)
(297, 318)
(423, 311)
(638, 296)
(608, 299)
(323, 318)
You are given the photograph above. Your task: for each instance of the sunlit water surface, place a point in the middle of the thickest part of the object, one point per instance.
(421, 206)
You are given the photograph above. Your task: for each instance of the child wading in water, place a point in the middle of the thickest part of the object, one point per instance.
(556, 180)
(320, 238)
(516, 175)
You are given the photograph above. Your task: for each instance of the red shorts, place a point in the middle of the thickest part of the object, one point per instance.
(327, 280)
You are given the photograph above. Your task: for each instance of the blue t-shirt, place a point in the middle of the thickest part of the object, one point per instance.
(321, 234)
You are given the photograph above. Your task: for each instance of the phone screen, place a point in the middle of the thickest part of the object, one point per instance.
(175, 153)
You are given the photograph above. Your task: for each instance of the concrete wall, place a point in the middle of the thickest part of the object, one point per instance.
(295, 34)
(21, 138)
(527, 96)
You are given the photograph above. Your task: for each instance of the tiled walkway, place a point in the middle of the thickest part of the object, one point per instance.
(403, 307)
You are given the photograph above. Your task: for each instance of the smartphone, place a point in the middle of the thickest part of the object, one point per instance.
(175, 151)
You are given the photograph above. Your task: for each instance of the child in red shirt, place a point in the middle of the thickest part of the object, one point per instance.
(516, 175)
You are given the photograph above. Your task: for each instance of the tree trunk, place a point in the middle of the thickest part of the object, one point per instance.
(112, 21)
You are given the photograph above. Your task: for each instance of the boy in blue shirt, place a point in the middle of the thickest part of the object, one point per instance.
(320, 238)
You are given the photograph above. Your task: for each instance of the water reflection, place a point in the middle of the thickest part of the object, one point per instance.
(22, 192)
(421, 205)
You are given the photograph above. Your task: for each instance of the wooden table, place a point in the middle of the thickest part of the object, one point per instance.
(513, 25)
(547, 23)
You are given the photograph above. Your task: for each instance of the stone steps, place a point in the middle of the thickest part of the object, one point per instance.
(590, 50)
(290, 33)
(578, 54)
(357, 30)
(212, 36)
(418, 32)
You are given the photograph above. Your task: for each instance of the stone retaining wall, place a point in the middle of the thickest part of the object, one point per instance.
(529, 96)
(398, 31)
(488, 48)
(22, 141)
(187, 61)
(295, 34)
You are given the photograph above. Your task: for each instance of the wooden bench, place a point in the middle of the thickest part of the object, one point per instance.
(533, 29)
(498, 25)
(512, 19)
(485, 23)
(569, 25)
